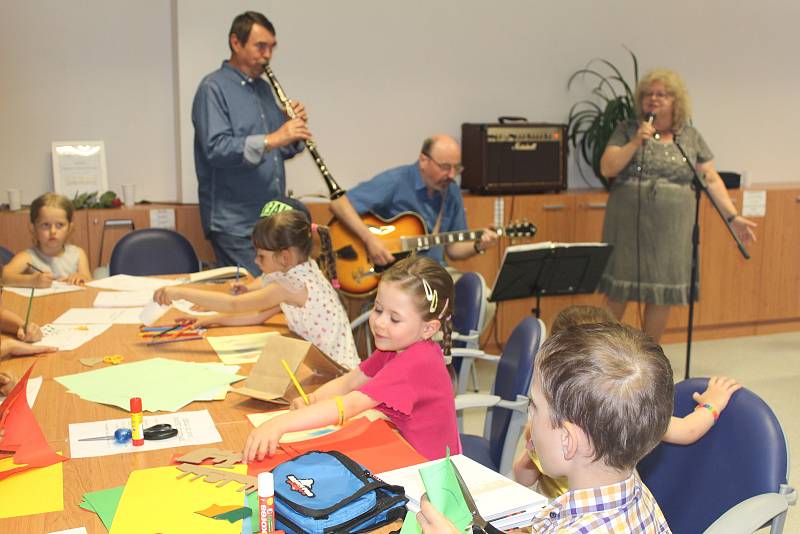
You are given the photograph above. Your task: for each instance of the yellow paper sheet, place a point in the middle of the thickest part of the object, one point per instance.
(34, 491)
(154, 500)
(238, 349)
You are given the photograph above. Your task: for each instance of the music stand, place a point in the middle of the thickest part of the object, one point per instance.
(543, 269)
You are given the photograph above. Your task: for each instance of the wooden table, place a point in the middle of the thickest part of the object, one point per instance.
(55, 408)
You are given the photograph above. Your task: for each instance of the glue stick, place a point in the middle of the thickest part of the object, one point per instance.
(136, 421)
(266, 502)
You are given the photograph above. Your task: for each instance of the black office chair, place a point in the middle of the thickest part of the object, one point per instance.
(153, 251)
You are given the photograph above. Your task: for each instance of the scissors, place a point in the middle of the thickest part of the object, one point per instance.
(479, 524)
(124, 435)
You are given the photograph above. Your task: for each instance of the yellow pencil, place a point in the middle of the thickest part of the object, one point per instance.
(296, 383)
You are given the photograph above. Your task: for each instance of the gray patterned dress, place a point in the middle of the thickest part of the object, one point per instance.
(664, 201)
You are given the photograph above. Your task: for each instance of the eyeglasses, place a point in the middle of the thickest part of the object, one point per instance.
(446, 167)
(655, 94)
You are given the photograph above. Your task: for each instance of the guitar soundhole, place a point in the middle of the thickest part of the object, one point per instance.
(347, 253)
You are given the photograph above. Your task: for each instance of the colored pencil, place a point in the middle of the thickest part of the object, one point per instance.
(28, 315)
(296, 383)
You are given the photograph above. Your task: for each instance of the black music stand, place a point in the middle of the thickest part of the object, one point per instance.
(544, 269)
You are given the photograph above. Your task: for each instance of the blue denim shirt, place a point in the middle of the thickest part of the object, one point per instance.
(402, 189)
(231, 114)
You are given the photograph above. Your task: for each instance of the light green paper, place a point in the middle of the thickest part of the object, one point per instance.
(103, 503)
(410, 525)
(163, 384)
(443, 491)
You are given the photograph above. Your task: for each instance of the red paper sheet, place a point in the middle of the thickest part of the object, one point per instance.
(22, 432)
(373, 444)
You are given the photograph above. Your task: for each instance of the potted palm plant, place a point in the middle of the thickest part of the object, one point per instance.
(593, 119)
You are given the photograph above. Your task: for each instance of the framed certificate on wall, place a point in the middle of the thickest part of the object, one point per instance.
(79, 167)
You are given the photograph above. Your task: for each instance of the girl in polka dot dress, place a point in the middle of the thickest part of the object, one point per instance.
(292, 283)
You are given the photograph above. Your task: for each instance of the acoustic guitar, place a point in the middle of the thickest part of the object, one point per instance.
(403, 234)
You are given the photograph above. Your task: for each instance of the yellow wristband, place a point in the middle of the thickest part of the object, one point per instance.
(340, 406)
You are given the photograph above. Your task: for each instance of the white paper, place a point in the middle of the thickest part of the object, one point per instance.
(162, 218)
(123, 299)
(57, 287)
(187, 307)
(126, 282)
(754, 203)
(100, 316)
(495, 495)
(242, 348)
(151, 313)
(34, 384)
(77, 530)
(194, 428)
(70, 337)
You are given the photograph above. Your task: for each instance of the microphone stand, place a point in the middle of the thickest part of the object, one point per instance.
(699, 186)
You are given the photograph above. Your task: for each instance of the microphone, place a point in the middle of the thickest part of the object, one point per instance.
(650, 117)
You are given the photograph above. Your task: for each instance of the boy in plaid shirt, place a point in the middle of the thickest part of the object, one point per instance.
(601, 399)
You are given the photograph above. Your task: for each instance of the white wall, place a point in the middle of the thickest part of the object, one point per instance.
(377, 77)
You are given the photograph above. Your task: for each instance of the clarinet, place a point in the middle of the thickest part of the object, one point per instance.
(333, 188)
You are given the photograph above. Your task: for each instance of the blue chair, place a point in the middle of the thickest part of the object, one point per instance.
(5, 255)
(153, 251)
(507, 406)
(468, 315)
(739, 469)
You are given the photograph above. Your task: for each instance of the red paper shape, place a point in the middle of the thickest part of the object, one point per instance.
(22, 433)
(373, 444)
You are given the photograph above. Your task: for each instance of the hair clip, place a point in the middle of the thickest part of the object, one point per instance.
(274, 206)
(431, 295)
(444, 309)
(314, 228)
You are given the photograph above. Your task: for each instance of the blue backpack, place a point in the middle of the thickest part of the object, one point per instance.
(327, 492)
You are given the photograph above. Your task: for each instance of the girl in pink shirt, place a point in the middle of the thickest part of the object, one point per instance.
(405, 378)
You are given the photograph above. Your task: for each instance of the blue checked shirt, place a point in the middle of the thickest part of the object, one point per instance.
(627, 507)
(231, 114)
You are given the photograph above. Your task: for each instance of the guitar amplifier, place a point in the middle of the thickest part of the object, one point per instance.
(514, 158)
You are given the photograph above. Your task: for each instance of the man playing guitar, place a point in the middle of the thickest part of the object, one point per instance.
(426, 187)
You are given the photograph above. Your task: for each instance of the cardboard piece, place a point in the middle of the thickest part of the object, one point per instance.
(249, 484)
(218, 457)
(269, 381)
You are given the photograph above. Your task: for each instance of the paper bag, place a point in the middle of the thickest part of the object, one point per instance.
(270, 382)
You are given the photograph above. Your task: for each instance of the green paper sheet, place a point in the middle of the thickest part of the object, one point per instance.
(163, 384)
(103, 503)
(441, 486)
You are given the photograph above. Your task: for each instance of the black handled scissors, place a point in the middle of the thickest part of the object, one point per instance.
(161, 431)
(479, 524)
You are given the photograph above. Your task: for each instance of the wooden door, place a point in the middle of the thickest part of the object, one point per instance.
(779, 296)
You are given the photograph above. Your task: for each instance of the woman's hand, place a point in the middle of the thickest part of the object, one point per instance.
(263, 440)
(646, 131)
(33, 334)
(744, 229)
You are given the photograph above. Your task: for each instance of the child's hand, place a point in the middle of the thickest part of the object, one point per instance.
(164, 295)
(431, 520)
(12, 347)
(198, 322)
(42, 279)
(718, 392)
(33, 334)
(76, 279)
(237, 288)
(263, 441)
(7, 383)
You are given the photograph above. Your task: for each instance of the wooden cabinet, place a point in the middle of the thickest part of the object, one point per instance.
(778, 297)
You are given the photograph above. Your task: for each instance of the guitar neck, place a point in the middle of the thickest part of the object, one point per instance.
(421, 242)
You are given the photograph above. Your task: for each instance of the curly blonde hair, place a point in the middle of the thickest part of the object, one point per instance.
(673, 83)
